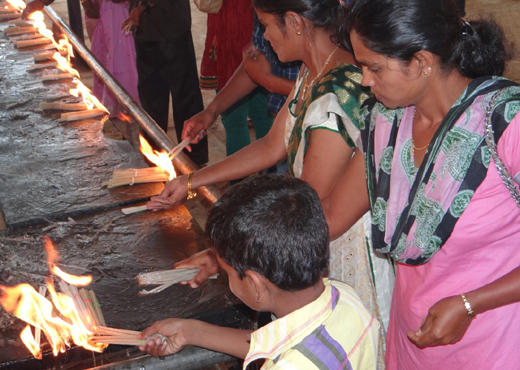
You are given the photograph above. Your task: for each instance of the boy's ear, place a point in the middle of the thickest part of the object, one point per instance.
(258, 283)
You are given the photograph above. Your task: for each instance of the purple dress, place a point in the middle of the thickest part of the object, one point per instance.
(116, 51)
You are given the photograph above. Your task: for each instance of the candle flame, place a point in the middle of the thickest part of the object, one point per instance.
(64, 62)
(124, 117)
(162, 159)
(58, 318)
(72, 279)
(18, 4)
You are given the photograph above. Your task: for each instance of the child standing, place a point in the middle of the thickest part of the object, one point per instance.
(270, 235)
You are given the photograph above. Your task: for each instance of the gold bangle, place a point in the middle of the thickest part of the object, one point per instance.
(471, 313)
(191, 194)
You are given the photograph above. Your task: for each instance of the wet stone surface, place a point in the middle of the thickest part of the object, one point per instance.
(50, 183)
(48, 167)
(113, 248)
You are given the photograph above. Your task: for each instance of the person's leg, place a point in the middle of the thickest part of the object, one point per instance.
(152, 87)
(263, 120)
(258, 112)
(234, 120)
(183, 80)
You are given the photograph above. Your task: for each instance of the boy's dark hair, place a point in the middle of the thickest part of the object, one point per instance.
(273, 225)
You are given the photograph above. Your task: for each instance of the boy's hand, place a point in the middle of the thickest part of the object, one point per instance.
(205, 261)
(32, 7)
(173, 194)
(173, 330)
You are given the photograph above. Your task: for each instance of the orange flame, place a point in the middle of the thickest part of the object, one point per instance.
(58, 318)
(18, 4)
(30, 342)
(88, 98)
(124, 117)
(162, 159)
(71, 279)
(64, 63)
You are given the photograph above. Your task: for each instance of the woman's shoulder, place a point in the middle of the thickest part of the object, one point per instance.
(345, 82)
(373, 110)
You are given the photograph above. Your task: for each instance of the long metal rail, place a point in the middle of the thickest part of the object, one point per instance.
(190, 358)
(181, 161)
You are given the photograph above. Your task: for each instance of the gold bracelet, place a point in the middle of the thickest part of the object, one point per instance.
(471, 313)
(191, 194)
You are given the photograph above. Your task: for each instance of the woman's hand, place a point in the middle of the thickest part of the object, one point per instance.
(174, 331)
(174, 193)
(195, 128)
(256, 65)
(205, 261)
(133, 20)
(446, 323)
(32, 7)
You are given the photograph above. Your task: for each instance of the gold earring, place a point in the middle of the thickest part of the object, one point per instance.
(298, 33)
(428, 71)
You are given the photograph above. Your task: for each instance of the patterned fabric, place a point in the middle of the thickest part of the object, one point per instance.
(351, 259)
(333, 332)
(483, 247)
(227, 33)
(414, 211)
(284, 70)
(333, 103)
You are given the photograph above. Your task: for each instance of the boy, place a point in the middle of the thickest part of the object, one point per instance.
(270, 235)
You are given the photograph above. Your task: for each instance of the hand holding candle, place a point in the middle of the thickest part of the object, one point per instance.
(174, 193)
(172, 337)
(207, 264)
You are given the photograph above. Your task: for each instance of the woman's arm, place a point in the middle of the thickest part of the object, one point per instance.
(326, 157)
(261, 154)
(238, 86)
(348, 199)
(448, 319)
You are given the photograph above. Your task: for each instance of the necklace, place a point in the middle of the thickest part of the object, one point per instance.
(414, 148)
(305, 85)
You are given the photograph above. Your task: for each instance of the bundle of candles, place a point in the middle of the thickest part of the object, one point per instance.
(122, 337)
(72, 316)
(86, 304)
(136, 176)
(163, 172)
(8, 11)
(90, 314)
(165, 279)
(35, 33)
